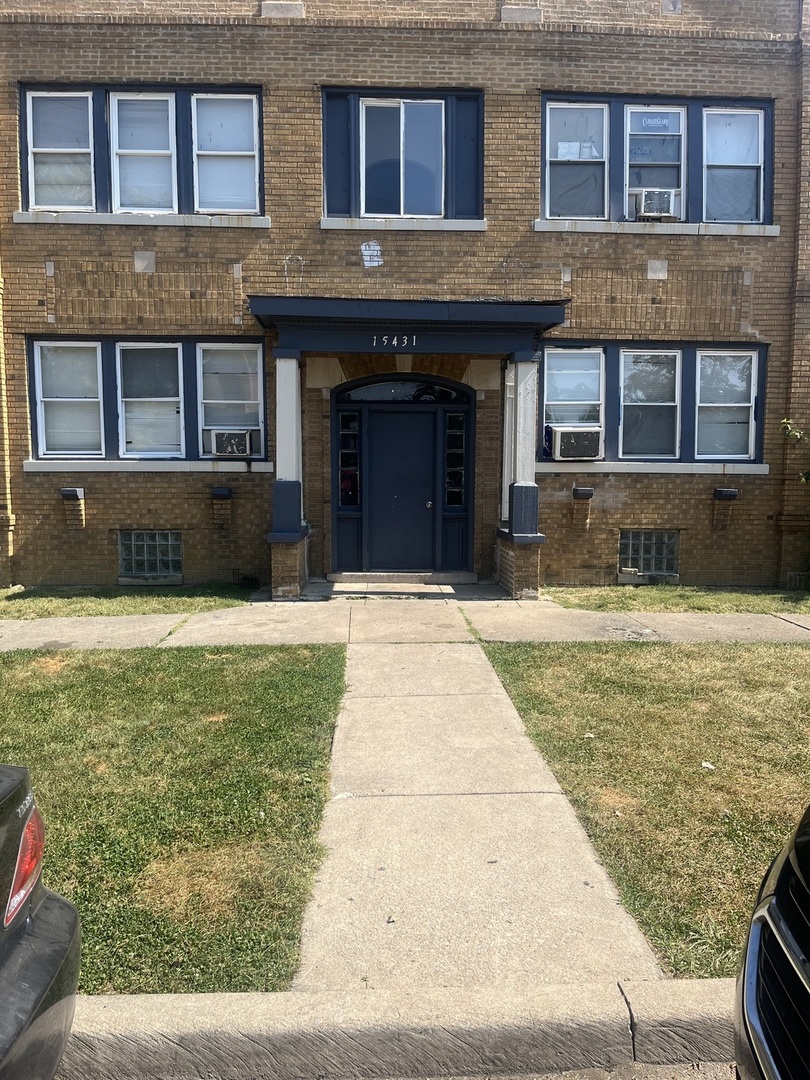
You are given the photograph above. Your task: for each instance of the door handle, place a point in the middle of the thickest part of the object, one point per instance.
(429, 504)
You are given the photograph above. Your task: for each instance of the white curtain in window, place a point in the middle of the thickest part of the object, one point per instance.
(72, 426)
(225, 148)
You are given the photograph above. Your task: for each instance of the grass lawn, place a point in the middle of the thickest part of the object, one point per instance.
(51, 601)
(679, 598)
(182, 791)
(688, 765)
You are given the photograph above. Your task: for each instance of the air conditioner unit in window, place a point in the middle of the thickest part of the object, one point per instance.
(231, 443)
(576, 443)
(657, 203)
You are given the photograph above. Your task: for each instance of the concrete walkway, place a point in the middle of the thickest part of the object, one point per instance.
(461, 924)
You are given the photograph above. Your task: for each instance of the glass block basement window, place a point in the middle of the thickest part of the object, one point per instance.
(150, 554)
(648, 551)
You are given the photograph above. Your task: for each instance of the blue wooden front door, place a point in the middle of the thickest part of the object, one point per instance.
(402, 476)
(401, 489)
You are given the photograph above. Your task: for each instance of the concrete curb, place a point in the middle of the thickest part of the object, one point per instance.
(453, 1032)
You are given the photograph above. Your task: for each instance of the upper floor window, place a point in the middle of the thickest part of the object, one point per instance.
(162, 151)
(624, 160)
(411, 154)
(139, 399)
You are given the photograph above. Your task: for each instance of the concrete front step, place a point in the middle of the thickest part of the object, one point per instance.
(433, 577)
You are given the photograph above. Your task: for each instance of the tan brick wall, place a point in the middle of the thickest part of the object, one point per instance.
(718, 288)
(774, 17)
(518, 571)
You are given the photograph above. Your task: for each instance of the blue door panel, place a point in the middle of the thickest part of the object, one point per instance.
(401, 489)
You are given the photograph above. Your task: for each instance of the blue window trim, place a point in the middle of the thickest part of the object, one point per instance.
(341, 139)
(611, 415)
(102, 154)
(694, 145)
(109, 392)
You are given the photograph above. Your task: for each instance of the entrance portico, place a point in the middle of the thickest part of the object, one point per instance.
(400, 469)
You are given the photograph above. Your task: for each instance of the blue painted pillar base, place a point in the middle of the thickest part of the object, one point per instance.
(524, 504)
(287, 527)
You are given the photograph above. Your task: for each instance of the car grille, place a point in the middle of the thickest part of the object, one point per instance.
(782, 997)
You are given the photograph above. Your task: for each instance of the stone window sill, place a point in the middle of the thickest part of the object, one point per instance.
(654, 228)
(678, 468)
(395, 224)
(205, 221)
(79, 465)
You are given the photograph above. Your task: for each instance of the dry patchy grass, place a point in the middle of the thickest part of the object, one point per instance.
(43, 602)
(676, 598)
(688, 764)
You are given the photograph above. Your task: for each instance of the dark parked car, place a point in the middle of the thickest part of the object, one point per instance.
(39, 942)
(772, 1017)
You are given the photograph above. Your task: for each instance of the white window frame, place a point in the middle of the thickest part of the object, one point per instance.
(399, 103)
(651, 404)
(680, 192)
(751, 405)
(33, 203)
(122, 438)
(116, 153)
(197, 153)
(574, 423)
(42, 449)
(707, 111)
(555, 160)
(257, 452)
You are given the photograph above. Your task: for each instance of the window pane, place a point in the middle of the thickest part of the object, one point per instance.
(649, 430)
(655, 121)
(227, 183)
(149, 373)
(573, 414)
(732, 138)
(145, 182)
(423, 146)
(143, 124)
(576, 133)
(725, 380)
(572, 361)
(230, 387)
(382, 160)
(654, 176)
(68, 371)
(723, 431)
(577, 190)
(655, 150)
(223, 124)
(63, 180)
(60, 123)
(572, 386)
(72, 426)
(732, 194)
(649, 377)
(152, 427)
(231, 415)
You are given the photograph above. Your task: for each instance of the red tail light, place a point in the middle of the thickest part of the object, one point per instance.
(29, 864)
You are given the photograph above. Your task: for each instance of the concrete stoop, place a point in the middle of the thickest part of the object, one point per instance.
(432, 1033)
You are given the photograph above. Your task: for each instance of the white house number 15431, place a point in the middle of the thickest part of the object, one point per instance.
(396, 341)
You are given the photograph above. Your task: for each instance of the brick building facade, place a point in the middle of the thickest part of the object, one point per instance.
(295, 289)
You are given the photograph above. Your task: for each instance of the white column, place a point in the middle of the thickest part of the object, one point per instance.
(525, 422)
(289, 447)
(508, 452)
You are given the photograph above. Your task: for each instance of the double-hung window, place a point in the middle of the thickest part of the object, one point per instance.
(689, 160)
(576, 152)
(650, 383)
(158, 151)
(725, 404)
(145, 399)
(151, 400)
(403, 154)
(574, 387)
(679, 403)
(67, 378)
(60, 151)
(733, 153)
